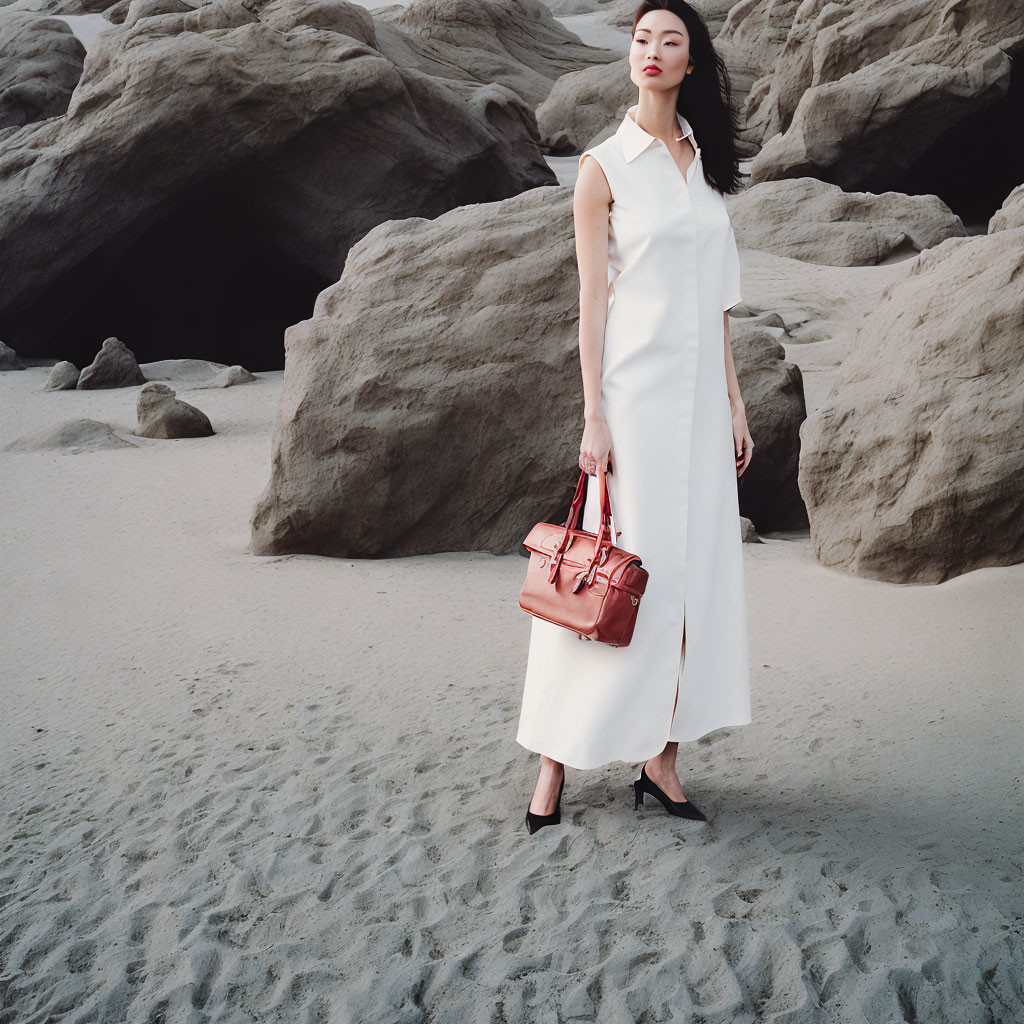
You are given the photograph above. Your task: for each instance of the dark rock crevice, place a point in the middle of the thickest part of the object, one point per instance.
(973, 165)
(199, 279)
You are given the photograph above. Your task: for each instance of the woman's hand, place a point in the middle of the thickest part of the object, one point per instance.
(743, 442)
(596, 446)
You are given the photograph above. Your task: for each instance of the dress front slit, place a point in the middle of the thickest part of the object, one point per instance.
(682, 662)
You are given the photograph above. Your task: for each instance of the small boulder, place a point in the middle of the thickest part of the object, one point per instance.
(748, 532)
(9, 358)
(183, 373)
(232, 375)
(164, 416)
(114, 367)
(63, 377)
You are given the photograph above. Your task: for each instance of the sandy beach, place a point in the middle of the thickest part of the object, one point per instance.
(243, 788)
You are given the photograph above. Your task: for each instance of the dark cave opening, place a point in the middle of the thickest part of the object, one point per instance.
(975, 164)
(201, 282)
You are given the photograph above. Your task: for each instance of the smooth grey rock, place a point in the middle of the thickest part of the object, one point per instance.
(584, 107)
(912, 468)
(162, 415)
(63, 377)
(71, 436)
(113, 367)
(811, 220)
(432, 401)
(40, 65)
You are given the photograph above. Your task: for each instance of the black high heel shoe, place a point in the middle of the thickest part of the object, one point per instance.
(679, 808)
(536, 821)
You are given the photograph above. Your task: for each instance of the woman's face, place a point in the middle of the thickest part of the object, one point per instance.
(660, 41)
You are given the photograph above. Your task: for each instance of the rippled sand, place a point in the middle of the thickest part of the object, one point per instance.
(287, 789)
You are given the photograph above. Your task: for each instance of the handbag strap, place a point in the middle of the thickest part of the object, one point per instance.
(577, 502)
(603, 533)
(604, 540)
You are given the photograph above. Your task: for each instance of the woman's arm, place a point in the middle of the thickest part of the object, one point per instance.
(592, 200)
(742, 440)
(590, 205)
(735, 398)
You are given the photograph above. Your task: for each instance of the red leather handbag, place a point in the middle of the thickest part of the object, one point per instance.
(581, 580)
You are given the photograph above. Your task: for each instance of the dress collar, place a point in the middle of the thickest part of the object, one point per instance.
(635, 140)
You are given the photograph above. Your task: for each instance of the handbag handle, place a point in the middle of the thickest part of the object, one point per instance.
(604, 541)
(603, 533)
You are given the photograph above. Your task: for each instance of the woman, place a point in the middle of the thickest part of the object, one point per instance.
(663, 415)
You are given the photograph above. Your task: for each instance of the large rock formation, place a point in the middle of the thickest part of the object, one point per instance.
(750, 42)
(912, 469)
(215, 166)
(881, 95)
(40, 64)
(811, 220)
(517, 44)
(429, 402)
(433, 400)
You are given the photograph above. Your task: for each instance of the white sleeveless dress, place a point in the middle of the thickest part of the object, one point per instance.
(673, 268)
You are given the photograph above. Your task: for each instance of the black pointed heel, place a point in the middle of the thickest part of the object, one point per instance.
(536, 821)
(678, 808)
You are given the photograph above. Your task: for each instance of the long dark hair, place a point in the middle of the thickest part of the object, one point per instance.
(705, 98)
